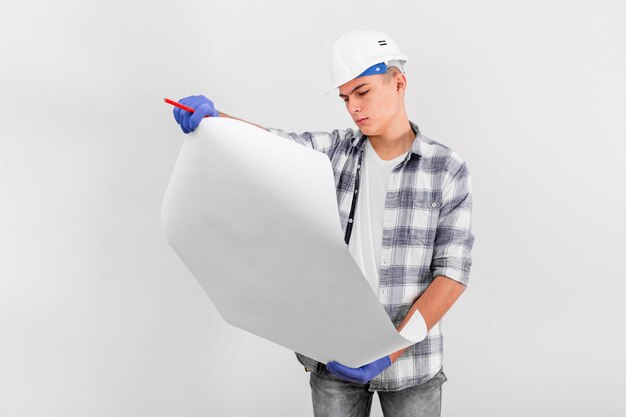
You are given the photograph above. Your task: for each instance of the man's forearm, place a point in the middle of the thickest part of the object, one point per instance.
(236, 118)
(433, 304)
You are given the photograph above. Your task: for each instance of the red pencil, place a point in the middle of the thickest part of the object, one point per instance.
(180, 106)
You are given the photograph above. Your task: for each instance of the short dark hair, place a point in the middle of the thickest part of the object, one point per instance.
(391, 73)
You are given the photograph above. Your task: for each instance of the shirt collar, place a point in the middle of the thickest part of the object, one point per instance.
(416, 147)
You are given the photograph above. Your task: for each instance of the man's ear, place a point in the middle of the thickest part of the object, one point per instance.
(400, 83)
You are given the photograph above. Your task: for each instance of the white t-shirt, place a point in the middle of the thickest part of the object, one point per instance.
(367, 232)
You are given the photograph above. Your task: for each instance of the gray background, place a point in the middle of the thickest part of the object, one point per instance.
(98, 317)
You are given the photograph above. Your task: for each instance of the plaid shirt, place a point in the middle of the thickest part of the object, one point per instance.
(426, 233)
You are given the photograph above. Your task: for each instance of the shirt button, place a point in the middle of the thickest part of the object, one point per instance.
(349, 220)
(434, 204)
(385, 262)
(356, 191)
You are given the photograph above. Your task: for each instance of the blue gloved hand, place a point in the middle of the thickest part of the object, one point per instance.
(190, 121)
(361, 375)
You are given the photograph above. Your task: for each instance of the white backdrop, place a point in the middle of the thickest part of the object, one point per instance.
(98, 316)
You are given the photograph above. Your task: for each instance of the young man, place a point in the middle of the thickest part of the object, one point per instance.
(405, 206)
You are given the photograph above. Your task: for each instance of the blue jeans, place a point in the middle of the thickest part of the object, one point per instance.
(333, 397)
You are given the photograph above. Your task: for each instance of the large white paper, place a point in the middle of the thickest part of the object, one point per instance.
(254, 217)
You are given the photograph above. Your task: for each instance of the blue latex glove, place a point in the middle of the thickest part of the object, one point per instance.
(361, 375)
(190, 121)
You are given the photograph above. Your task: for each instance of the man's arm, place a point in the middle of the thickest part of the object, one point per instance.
(451, 254)
(241, 120)
(433, 304)
(203, 107)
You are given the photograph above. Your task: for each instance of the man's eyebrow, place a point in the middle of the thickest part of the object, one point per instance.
(353, 90)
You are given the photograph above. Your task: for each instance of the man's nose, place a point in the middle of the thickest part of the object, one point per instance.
(354, 107)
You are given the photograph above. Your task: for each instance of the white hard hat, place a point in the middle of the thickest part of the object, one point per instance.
(356, 51)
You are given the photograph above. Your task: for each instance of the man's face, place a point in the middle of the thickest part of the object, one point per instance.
(372, 102)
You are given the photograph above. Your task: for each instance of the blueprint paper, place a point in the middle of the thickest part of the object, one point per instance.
(254, 218)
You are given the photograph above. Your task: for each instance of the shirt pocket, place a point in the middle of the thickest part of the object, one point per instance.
(424, 218)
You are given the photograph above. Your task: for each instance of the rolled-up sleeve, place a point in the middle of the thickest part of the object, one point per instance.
(454, 238)
(325, 142)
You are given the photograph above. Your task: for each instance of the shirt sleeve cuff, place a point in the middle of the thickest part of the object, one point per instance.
(453, 273)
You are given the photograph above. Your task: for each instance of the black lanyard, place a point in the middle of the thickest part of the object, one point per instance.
(354, 199)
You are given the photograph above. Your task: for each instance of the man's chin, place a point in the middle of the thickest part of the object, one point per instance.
(366, 130)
